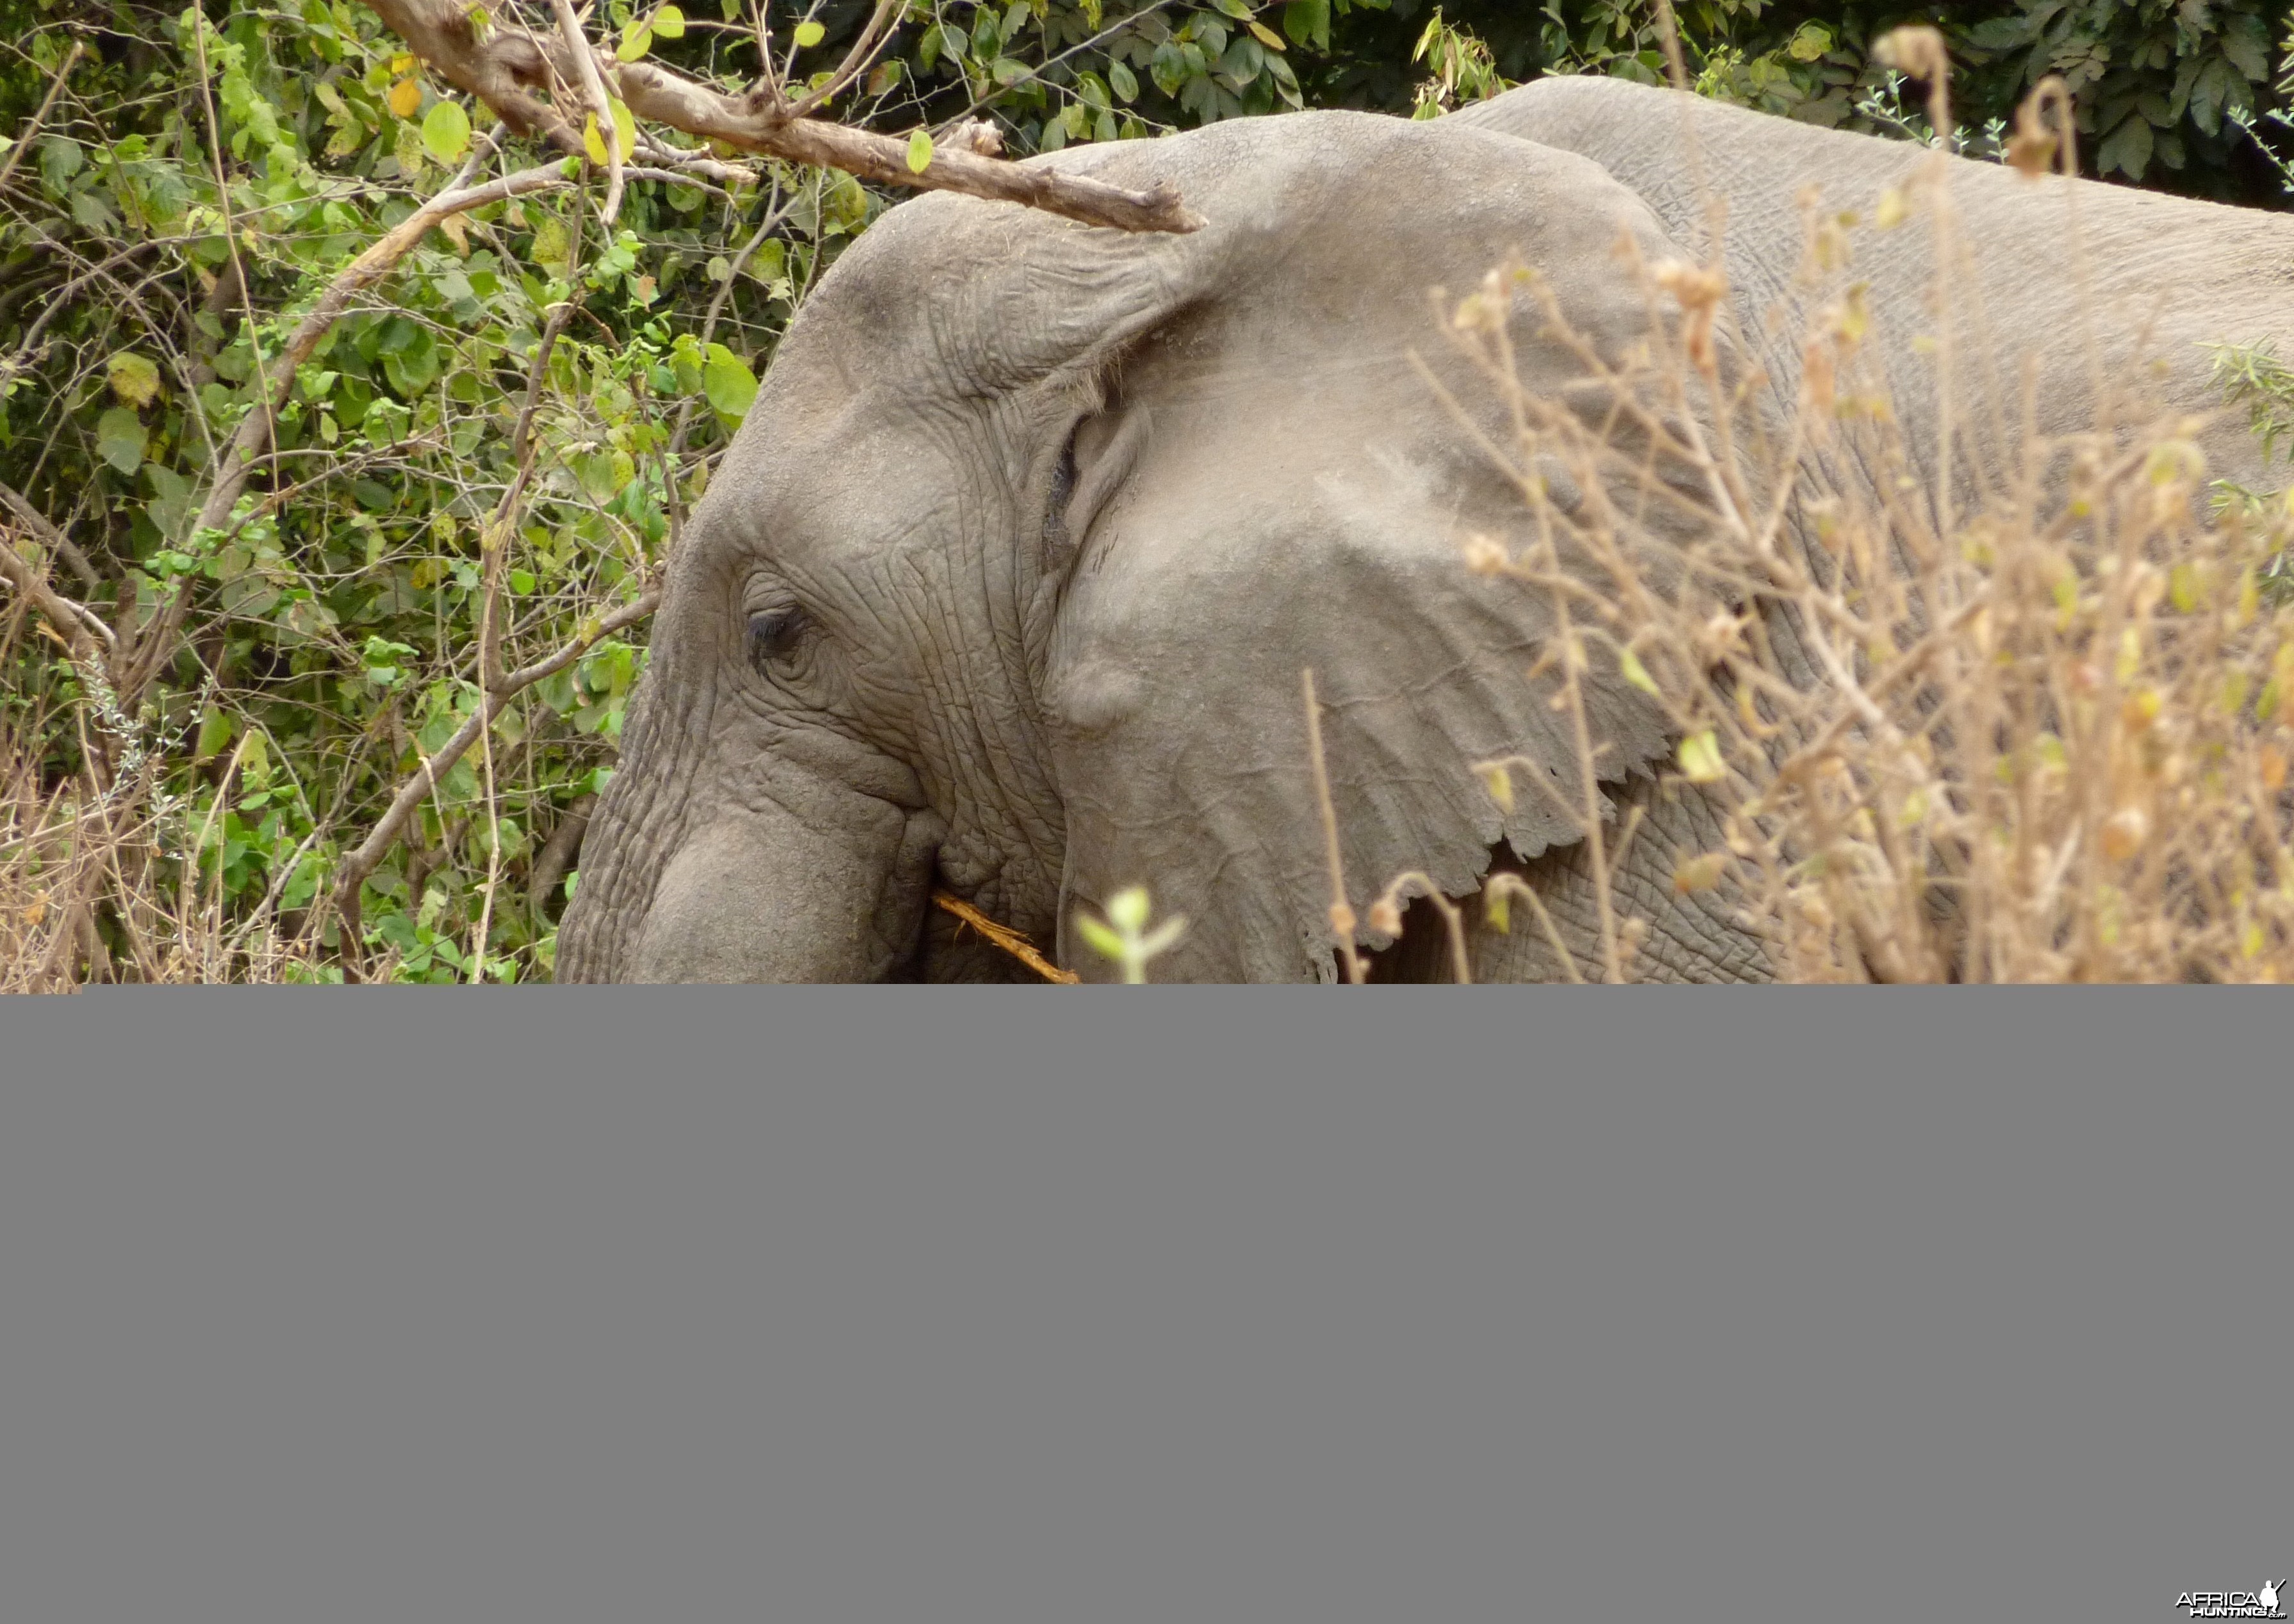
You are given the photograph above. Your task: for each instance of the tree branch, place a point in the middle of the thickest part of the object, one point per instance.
(48, 536)
(77, 624)
(593, 91)
(511, 70)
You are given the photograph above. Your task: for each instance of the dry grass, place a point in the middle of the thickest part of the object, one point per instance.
(2043, 737)
(86, 866)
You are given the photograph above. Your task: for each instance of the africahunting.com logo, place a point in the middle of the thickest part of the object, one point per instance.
(2261, 1604)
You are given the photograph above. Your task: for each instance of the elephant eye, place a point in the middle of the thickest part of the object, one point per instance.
(772, 634)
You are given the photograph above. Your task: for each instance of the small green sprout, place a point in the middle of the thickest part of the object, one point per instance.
(1122, 935)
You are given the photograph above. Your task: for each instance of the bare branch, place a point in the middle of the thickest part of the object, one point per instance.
(557, 854)
(511, 71)
(653, 93)
(593, 90)
(75, 624)
(504, 72)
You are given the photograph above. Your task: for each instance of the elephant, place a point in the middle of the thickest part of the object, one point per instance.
(1006, 583)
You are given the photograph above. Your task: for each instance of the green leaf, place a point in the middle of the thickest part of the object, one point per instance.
(2243, 44)
(727, 383)
(668, 22)
(636, 39)
(1308, 22)
(2126, 149)
(215, 733)
(1102, 940)
(625, 128)
(1813, 40)
(1636, 673)
(61, 159)
(809, 35)
(133, 379)
(1123, 81)
(920, 152)
(120, 440)
(446, 132)
(1700, 759)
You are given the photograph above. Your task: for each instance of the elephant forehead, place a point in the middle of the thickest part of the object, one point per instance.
(1355, 215)
(810, 469)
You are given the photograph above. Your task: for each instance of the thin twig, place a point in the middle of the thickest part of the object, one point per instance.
(1010, 941)
(55, 88)
(1342, 913)
(870, 44)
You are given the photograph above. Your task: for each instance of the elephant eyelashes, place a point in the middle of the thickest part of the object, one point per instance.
(772, 635)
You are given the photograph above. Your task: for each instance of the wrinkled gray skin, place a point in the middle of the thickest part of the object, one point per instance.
(1006, 583)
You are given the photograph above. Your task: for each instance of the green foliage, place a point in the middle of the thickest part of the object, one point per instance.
(1123, 938)
(143, 307)
(2163, 88)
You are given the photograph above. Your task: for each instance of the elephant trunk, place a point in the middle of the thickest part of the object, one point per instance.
(636, 824)
(824, 884)
(780, 894)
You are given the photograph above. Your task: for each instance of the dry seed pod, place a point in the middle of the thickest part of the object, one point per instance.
(1916, 51)
(2034, 144)
(2124, 833)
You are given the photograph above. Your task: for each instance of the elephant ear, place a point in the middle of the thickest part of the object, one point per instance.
(1275, 485)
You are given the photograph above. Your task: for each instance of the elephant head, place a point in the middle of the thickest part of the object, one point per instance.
(1008, 580)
